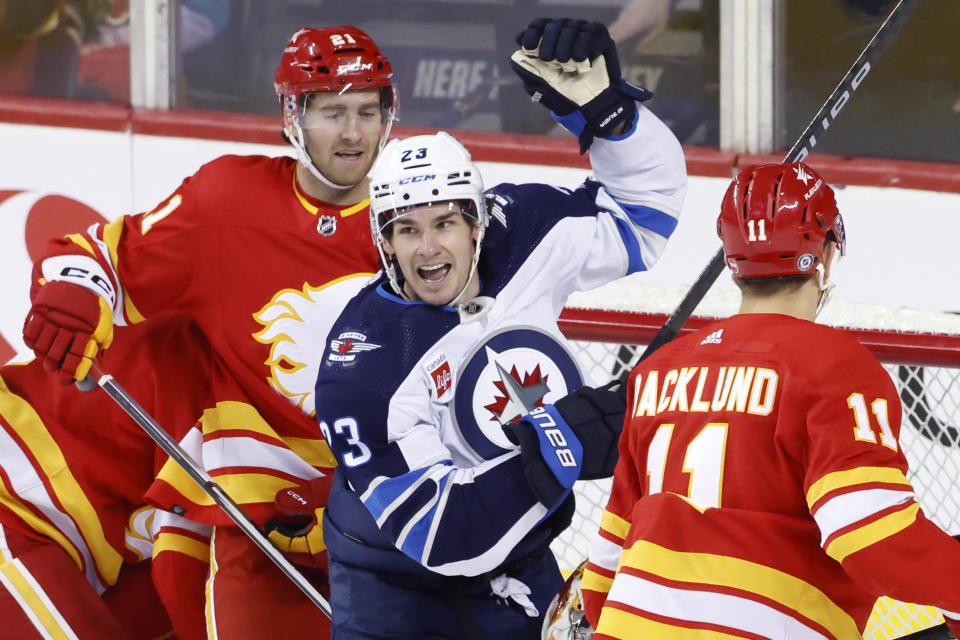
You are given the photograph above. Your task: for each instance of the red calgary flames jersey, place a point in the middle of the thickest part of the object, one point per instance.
(761, 492)
(263, 270)
(74, 467)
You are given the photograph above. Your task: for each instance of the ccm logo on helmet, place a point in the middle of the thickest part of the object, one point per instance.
(544, 421)
(423, 178)
(354, 66)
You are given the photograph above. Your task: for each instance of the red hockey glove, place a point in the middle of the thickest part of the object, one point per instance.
(66, 327)
(295, 530)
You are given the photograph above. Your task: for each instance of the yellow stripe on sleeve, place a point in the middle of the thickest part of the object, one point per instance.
(851, 477)
(315, 451)
(179, 543)
(111, 236)
(231, 415)
(890, 524)
(78, 239)
(614, 525)
(243, 488)
(617, 623)
(726, 571)
(31, 430)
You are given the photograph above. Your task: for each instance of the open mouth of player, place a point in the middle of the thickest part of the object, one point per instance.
(434, 274)
(350, 156)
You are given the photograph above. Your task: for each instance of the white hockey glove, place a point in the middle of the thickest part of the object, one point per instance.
(571, 67)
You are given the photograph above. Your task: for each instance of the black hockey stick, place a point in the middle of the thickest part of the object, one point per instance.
(202, 478)
(801, 148)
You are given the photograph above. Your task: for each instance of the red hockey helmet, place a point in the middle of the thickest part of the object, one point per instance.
(332, 59)
(775, 220)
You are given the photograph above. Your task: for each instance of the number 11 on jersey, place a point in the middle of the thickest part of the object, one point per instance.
(703, 461)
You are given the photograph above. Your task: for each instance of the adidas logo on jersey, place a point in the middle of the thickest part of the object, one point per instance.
(715, 337)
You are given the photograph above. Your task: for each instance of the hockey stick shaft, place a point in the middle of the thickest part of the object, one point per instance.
(801, 148)
(203, 479)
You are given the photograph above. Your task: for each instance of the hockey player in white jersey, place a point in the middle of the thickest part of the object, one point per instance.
(449, 396)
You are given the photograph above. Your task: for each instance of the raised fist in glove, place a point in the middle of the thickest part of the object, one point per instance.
(66, 327)
(571, 67)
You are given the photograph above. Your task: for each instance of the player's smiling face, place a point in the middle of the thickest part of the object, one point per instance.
(342, 133)
(434, 246)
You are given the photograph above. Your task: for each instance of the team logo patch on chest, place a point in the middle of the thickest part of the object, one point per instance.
(505, 378)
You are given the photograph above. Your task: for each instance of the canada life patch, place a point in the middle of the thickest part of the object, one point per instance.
(438, 368)
(346, 346)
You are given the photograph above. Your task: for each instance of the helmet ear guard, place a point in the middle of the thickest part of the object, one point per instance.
(421, 171)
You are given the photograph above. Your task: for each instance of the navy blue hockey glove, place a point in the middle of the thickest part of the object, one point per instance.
(595, 415)
(571, 67)
(550, 453)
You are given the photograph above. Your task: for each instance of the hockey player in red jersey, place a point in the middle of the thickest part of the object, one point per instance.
(760, 491)
(262, 253)
(76, 538)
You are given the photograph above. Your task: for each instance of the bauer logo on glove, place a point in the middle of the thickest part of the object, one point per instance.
(571, 67)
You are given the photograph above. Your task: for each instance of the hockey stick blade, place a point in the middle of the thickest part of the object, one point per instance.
(204, 481)
(801, 148)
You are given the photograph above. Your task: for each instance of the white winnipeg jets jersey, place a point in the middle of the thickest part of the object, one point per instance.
(412, 397)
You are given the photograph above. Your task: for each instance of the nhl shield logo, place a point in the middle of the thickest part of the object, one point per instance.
(327, 225)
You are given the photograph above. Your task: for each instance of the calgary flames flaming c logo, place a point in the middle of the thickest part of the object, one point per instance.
(295, 325)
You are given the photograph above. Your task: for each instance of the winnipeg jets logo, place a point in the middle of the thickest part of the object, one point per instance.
(518, 395)
(802, 175)
(295, 324)
(348, 344)
(506, 377)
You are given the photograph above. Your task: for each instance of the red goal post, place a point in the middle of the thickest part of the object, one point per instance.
(920, 351)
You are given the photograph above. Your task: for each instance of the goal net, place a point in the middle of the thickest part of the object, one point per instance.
(920, 350)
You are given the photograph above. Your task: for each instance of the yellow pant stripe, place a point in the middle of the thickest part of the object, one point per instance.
(179, 543)
(209, 608)
(28, 425)
(617, 623)
(35, 603)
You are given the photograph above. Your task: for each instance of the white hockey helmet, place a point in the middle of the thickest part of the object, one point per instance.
(421, 171)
